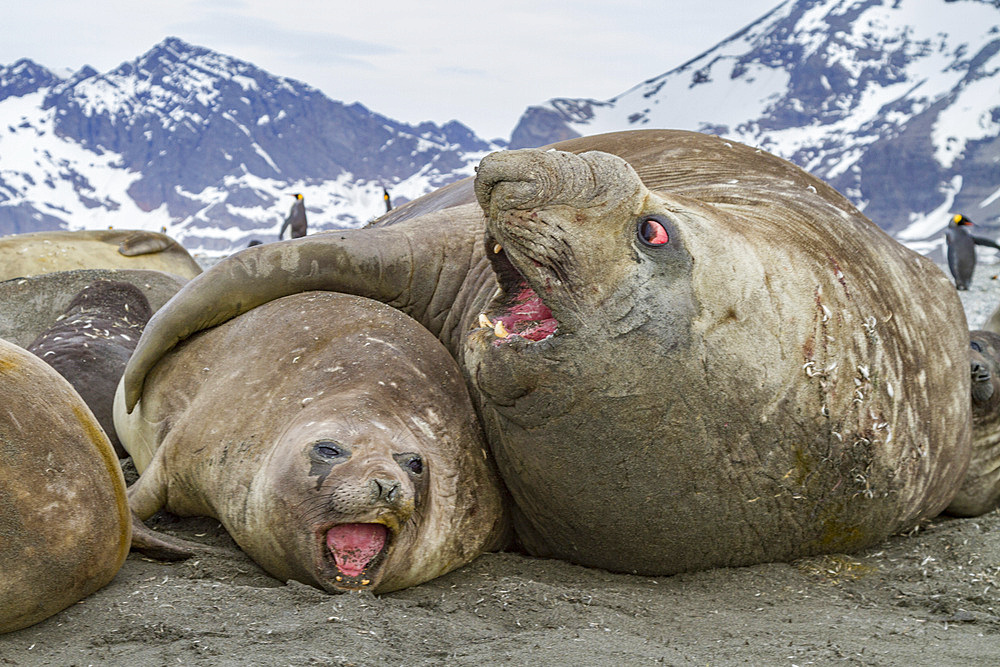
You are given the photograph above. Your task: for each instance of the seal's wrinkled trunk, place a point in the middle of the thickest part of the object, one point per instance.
(531, 178)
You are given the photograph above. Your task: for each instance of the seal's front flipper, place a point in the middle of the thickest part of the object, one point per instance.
(158, 546)
(144, 243)
(145, 497)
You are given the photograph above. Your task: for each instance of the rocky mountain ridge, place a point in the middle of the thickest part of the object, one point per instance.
(896, 103)
(207, 146)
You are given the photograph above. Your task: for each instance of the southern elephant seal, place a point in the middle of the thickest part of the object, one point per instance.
(44, 252)
(331, 435)
(980, 490)
(685, 352)
(29, 306)
(91, 341)
(65, 526)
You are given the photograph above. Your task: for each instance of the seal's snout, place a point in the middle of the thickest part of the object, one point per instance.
(982, 387)
(510, 179)
(386, 492)
(533, 178)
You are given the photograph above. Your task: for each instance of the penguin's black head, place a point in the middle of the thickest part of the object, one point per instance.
(960, 220)
(298, 195)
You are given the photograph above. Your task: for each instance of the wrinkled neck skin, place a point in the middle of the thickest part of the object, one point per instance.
(428, 267)
(576, 411)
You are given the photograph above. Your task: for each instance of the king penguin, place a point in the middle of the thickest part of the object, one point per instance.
(962, 249)
(296, 219)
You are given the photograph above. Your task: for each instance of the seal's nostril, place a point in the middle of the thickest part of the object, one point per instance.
(385, 490)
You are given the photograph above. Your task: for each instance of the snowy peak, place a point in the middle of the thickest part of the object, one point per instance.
(205, 145)
(173, 76)
(23, 78)
(891, 101)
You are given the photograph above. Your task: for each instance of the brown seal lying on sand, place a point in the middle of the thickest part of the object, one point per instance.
(331, 435)
(685, 352)
(44, 252)
(65, 527)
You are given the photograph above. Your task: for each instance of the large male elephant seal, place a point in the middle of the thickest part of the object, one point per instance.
(90, 342)
(44, 252)
(65, 527)
(685, 352)
(332, 436)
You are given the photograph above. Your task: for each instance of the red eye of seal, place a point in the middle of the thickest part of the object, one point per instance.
(653, 233)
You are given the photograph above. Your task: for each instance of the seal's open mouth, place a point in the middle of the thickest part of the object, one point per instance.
(358, 550)
(517, 312)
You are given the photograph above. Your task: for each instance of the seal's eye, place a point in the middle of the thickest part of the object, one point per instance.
(327, 449)
(975, 346)
(652, 232)
(412, 463)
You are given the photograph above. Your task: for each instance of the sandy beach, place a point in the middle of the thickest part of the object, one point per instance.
(931, 597)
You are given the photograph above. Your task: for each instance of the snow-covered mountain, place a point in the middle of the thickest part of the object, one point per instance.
(208, 147)
(896, 103)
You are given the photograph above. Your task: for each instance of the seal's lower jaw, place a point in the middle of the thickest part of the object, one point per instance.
(353, 555)
(517, 315)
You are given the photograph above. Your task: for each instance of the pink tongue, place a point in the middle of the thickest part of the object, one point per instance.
(354, 545)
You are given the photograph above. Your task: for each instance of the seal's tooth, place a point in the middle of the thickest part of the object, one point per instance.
(497, 248)
(500, 330)
(485, 321)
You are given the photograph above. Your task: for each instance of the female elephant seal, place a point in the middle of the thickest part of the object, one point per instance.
(45, 252)
(980, 491)
(331, 435)
(685, 352)
(64, 521)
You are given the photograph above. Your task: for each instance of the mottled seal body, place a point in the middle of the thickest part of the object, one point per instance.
(91, 342)
(44, 252)
(685, 352)
(65, 527)
(980, 490)
(332, 436)
(29, 306)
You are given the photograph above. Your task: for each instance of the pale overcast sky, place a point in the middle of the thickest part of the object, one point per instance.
(481, 63)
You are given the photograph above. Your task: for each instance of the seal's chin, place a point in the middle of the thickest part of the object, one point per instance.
(517, 312)
(355, 553)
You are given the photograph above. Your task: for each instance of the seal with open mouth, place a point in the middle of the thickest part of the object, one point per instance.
(685, 352)
(331, 435)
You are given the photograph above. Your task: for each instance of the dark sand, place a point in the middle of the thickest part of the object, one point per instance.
(928, 598)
